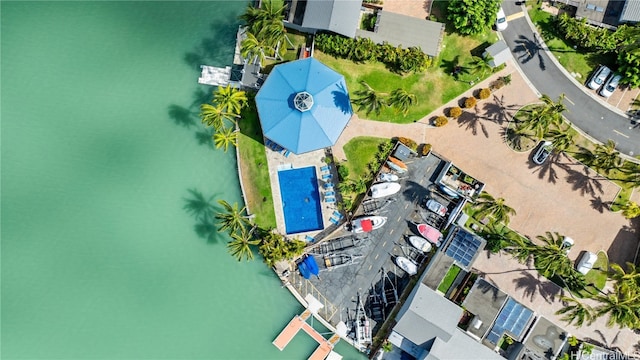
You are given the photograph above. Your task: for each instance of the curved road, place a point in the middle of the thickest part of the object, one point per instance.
(592, 116)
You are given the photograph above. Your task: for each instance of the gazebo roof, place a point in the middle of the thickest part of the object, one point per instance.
(303, 105)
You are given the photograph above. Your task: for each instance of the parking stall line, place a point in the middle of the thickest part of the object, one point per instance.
(621, 134)
(376, 258)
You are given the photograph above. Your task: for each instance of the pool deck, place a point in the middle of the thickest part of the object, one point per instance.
(277, 161)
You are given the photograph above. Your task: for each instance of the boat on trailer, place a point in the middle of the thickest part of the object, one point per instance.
(420, 243)
(430, 233)
(384, 189)
(407, 265)
(387, 177)
(332, 261)
(366, 223)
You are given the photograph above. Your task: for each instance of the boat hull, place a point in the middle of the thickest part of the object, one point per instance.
(384, 189)
(420, 243)
(430, 233)
(375, 222)
(407, 265)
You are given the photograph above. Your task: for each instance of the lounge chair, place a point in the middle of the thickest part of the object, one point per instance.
(287, 153)
(337, 214)
(328, 185)
(325, 168)
(330, 200)
(309, 238)
(335, 221)
(327, 176)
(330, 193)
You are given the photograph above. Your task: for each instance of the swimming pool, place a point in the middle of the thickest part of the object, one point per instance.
(300, 200)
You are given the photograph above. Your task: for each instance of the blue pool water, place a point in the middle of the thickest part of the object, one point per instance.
(300, 200)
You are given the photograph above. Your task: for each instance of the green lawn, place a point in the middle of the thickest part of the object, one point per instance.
(598, 275)
(360, 152)
(448, 279)
(255, 172)
(574, 60)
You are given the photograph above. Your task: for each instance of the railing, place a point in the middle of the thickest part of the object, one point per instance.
(304, 287)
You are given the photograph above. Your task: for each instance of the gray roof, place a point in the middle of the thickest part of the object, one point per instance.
(427, 315)
(484, 301)
(631, 11)
(499, 52)
(406, 31)
(592, 10)
(461, 347)
(545, 338)
(339, 16)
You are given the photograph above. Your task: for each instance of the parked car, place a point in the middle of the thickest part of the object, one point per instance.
(586, 262)
(449, 192)
(501, 20)
(542, 152)
(599, 77)
(567, 244)
(436, 207)
(611, 85)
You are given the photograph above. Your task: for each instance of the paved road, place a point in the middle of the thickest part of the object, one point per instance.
(587, 113)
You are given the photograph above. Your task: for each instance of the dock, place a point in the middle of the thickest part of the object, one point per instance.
(299, 322)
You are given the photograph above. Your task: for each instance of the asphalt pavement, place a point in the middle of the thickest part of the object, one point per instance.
(591, 115)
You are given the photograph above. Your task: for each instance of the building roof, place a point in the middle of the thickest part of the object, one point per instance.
(303, 105)
(406, 31)
(463, 247)
(339, 16)
(499, 53)
(630, 12)
(427, 315)
(461, 346)
(484, 301)
(546, 339)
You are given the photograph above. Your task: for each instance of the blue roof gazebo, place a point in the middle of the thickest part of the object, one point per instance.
(303, 105)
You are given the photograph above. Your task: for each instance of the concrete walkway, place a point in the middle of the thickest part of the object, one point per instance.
(562, 196)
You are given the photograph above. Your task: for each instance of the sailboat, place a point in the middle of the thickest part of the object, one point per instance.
(362, 327)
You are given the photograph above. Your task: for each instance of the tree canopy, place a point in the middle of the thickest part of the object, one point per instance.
(472, 16)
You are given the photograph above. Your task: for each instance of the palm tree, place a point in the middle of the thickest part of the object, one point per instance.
(240, 245)
(225, 137)
(542, 117)
(487, 205)
(232, 219)
(628, 282)
(605, 157)
(561, 140)
(360, 185)
(623, 310)
(521, 249)
(499, 237)
(368, 99)
(576, 312)
(214, 116)
(480, 66)
(401, 100)
(551, 258)
(230, 99)
(554, 109)
(254, 49)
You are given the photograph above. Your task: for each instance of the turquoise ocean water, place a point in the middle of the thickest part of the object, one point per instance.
(100, 258)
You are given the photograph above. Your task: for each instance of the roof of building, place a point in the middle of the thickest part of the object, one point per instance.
(339, 16)
(630, 12)
(463, 247)
(406, 31)
(499, 53)
(545, 338)
(427, 315)
(461, 346)
(592, 10)
(303, 105)
(484, 301)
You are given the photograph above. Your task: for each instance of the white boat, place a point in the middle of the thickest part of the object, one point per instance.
(387, 177)
(384, 189)
(362, 327)
(407, 265)
(420, 243)
(366, 224)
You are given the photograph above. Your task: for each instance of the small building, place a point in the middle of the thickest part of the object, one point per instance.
(545, 341)
(630, 12)
(310, 16)
(406, 31)
(499, 53)
(427, 329)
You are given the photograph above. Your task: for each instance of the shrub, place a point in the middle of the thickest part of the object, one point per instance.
(484, 93)
(343, 171)
(426, 148)
(408, 143)
(497, 84)
(441, 121)
(470, 102)
(455, 112)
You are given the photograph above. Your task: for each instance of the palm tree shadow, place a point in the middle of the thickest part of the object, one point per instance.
(548, 168)
(528, 49)
(203, 209)
(528, 283)
(215, 49)
(598, 204)
(341, 99)
(583, 181)
(204, 136)
(182, 116)
(471, 121)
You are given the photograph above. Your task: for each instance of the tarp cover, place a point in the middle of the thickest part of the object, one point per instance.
(367, 225)
(329, 107)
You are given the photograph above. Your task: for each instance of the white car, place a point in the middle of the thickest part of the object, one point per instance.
(501, 20)
(586, 262)
(436, 207)
(611, 85)
(599, 76)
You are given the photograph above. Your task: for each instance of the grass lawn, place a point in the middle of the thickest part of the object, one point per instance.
(433, 87)
(360, 152)
(255, 172)
(574, 60)
(448, 279)
(597, 275)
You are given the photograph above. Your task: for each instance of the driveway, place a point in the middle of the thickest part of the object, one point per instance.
(563, 196)
(588, 111)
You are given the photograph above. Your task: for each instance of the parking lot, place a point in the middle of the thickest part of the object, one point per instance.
(370, 267)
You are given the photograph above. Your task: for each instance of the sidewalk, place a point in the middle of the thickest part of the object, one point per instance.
(561, 196)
